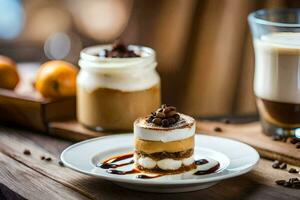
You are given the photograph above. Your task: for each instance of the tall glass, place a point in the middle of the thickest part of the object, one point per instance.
(276, 39)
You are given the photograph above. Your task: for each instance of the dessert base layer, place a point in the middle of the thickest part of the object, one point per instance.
(158, 170)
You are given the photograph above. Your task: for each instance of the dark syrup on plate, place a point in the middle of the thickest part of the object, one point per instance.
(111, 165)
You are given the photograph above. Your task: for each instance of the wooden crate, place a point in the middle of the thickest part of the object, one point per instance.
(27, 108)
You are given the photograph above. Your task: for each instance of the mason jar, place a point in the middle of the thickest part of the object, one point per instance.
(113, 92)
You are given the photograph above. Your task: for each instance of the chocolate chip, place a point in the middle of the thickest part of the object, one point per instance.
(48, 159)
(61, 163)
(156, 121)
(26, 152)
(280, 182)
(165, 122)
(293, 170)
(217, 129)
(298, 145)
(283, 166)
(42, 157)
(160, 115)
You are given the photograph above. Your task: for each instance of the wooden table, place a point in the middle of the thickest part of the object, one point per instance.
(29, 177)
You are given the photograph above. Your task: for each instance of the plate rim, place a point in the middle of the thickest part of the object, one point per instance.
(159, 182)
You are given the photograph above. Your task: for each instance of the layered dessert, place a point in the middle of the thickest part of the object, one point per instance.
(116, 85)
(164, 142)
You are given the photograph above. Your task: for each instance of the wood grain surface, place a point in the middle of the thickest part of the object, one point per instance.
(258, 184)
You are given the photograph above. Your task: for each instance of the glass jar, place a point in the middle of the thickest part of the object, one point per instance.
(113, 92)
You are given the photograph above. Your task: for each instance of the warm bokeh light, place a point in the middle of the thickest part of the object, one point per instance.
(101, 20)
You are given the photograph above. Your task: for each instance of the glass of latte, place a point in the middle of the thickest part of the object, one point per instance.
(276, 39)
(116, 85)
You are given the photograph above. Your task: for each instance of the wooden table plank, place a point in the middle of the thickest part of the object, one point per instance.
(257, 184)
(26, 182)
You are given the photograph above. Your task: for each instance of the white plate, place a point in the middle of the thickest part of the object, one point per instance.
(235, 158)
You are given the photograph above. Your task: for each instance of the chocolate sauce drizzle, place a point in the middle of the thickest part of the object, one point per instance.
(111, 165)
(111, 162)
(208, 171)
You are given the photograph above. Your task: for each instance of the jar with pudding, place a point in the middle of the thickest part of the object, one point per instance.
(116, 85)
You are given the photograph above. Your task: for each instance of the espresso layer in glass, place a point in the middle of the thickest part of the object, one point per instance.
(285, 115)
(112, 109)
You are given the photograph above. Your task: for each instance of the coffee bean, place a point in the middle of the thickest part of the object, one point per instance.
(169, 109)
(226, 121)
(159, 110)
(150, 119)
(293, 140)
(291, 183)
(48, 159)
(298, 145)
(172, 120)
(287, 184)
(293, 170)
(177, 117)
(26, 152)
(276, 164)
(163, 105)
(160, 115)
(171, 114)
(156, 121)
(277, 138)
(42, 157)
(283, 166)
(217, 129)
(61, 163)
(165, 122)
(280, 182)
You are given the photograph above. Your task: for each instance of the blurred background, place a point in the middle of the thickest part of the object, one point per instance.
(204, 48)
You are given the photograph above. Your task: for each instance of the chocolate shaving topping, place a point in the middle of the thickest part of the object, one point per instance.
(119, 51)
(165, 116)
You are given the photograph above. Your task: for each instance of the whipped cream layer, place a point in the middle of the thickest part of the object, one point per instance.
(165, 164)
(124, 74)
(182, 130)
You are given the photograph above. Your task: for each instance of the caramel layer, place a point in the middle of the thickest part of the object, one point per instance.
(150, 147)
(162, 155)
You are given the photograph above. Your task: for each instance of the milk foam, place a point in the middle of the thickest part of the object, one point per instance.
(144, 132)
(133, 81)
(277, 67)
